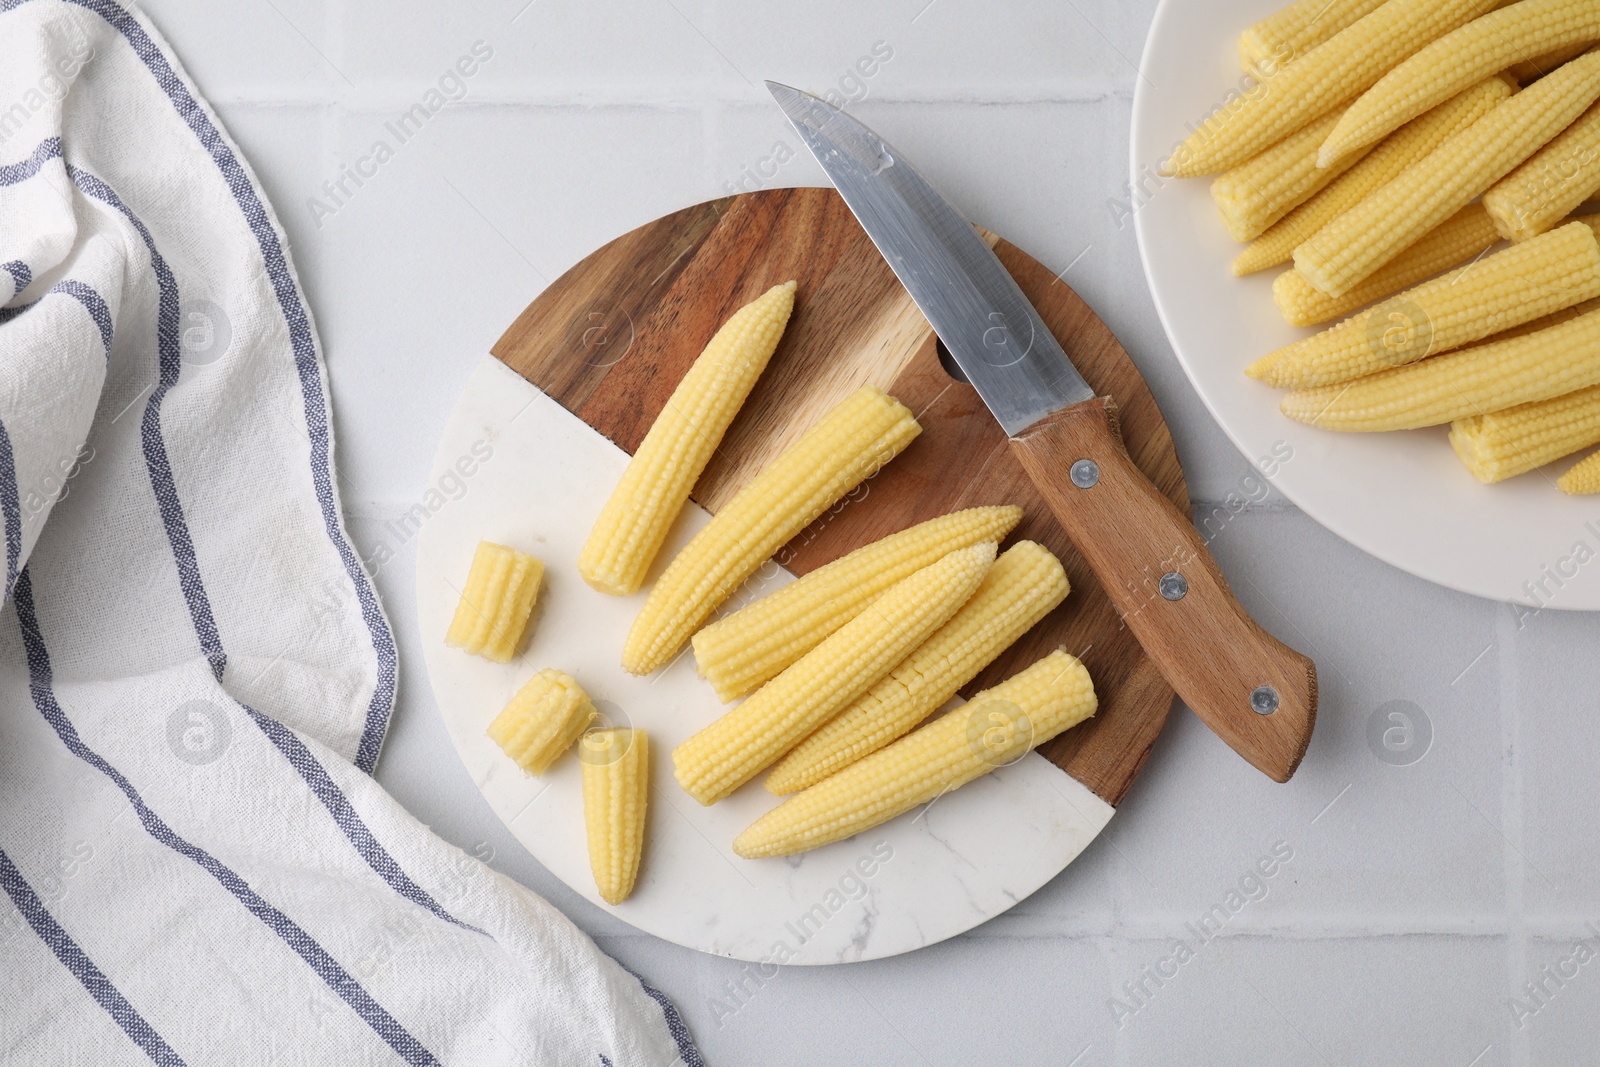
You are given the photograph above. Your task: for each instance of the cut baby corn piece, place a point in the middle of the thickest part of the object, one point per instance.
(1470, 381)
(996, 728)
(862, 433)
(1022, 587)
(1397, 152)
(1458, 240)
(1537, 67)
(1364, 238)
(642, 508)
(1545, 189)
(1294, 30)
(1325, 78)
(743, 650)
(738, 746)
(1583, 479)
(496, 602)
(616, 791)
(1508, 443)
(1437, 72)
(542, 720)
(1266, 187)
(1516, 285)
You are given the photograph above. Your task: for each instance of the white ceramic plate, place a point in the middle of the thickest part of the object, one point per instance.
(1404, 497)
(515, 467)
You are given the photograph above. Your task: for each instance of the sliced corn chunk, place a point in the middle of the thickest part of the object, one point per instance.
(852, 442)
(542, 720)
(1364, 238)
(1325, 78)
(1024, 585)
(1470, 381)
(1507, 443)
(1266, 187)
(1397, 152)
(740, 652)
(739, 745)
(1514, 286)
(616, 793)
(1545, 189)
(997, 727)
(1463, 237)
(492, 614)
(1295, 30)
(642, 508)
(1583, 479)
(1482, 47)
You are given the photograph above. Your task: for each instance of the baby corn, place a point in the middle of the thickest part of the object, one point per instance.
(1533, 69)
(1470, 381)
(1295, 30)
(862, 433)
(1397, 152)
(1022, 587)
(1264, 188)
(1520, 284)
(1508, 443)
(1325, 78)
(738, 746)
(542, 720)
(642, 508)
(1545, 189)
(738, 653)
(997, 727)
(1583, 479)
(616, 794)
(1482, 47)
(1457, 240)
(1364, 238)
(502, 584)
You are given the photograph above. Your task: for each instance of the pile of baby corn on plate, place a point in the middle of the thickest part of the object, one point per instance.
(1382, 153)
(838, 670)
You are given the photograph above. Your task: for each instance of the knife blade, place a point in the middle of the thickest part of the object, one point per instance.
(1257, 694)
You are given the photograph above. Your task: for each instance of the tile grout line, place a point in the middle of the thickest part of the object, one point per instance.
(1511, 818)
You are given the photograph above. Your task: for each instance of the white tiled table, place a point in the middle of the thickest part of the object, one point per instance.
(1418, 898)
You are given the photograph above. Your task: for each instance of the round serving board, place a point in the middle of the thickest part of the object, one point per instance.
(541, 435)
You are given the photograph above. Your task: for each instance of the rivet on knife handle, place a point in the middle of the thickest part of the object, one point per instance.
(1259, 695)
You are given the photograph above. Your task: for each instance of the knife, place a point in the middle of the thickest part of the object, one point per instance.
(1256, 693)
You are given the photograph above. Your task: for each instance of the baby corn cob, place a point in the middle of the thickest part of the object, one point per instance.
(746, 740)
(1397, 152)
(1545, 189)
(494, 607)
(738, 653)
(642, 508)
(616, 793)
(1266, 187)
(1537, 67)
(1295, 30)
(1508, 443)
(1583, 479)
(1022, 587)
(542, 720)
(1364, 238)
(1467, 234)
(863, 432)
(1482, 47)
(997, 727)
(1520, 284)
(1470, 381)
(1325, 78)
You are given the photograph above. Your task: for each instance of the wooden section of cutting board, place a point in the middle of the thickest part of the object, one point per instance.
(610, 339)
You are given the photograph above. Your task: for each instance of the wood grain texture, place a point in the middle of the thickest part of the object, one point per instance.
(610, 339)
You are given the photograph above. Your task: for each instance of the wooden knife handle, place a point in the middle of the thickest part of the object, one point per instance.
(1258, 694)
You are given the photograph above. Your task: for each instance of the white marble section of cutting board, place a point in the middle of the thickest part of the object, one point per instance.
(529, 474)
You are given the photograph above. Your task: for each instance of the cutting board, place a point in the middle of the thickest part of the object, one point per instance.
(605, 345)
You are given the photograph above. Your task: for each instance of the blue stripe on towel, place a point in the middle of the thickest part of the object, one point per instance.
(10, 507)
(20, 273)
(74, 959)
(315, 956)
(48, 149)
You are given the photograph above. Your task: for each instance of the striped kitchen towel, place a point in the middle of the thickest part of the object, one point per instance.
(195, 672)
